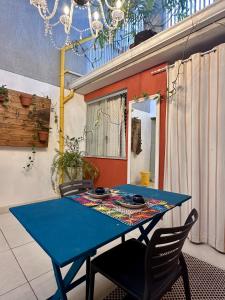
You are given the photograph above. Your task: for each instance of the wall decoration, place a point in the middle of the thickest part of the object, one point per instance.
(26, 99)
(22, 124)
(136, 136)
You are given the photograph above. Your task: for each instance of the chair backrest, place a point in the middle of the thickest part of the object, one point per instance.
(75, 187)
(164, 252)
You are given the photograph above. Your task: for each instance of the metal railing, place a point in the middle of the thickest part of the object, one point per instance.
(123, 40)
(100, 56)
(193, 6)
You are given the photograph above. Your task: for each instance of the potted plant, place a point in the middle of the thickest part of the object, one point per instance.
(26, 99)
(4, 95)
(71, 164)
(42, 131)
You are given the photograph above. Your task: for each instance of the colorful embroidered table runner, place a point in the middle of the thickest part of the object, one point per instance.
(129, 216)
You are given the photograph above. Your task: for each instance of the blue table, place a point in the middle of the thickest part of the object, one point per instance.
(69, 232)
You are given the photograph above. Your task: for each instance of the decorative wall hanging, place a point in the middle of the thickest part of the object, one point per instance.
(22, 123)
(136, 136)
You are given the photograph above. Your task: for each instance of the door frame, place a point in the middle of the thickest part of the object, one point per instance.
(151, 97)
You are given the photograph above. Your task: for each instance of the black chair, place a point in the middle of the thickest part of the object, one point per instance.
(75, 187)
(147, 272)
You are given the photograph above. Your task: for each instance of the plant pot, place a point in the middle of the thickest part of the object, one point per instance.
(142, 36)
(73, 174)
(43, 136)
(2, 98)
(25, 100)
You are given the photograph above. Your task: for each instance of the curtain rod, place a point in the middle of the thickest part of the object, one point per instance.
(159, 70)
(107, 96)
(207, 52)
(183, 61)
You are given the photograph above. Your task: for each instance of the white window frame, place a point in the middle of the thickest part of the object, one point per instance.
(105, 98)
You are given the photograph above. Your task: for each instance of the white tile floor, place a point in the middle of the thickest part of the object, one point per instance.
(26, 271)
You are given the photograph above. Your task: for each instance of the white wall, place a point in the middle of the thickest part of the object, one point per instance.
(75, 117)
(141, 162)
(16, 185)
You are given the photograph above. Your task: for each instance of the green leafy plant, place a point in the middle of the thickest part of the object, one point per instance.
(4, 96)
(153, 13)
(31, 159)
(42, 126)
(179, 8)
(71, 164)
(148, 10)
(145, 94)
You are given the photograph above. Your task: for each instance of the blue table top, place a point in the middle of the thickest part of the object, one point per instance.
(67, 230)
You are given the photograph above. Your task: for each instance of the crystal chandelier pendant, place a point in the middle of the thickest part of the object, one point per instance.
(96, 23)
(117, 15)
(39, 3)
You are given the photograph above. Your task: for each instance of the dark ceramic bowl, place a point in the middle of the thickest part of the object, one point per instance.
(100, 191)
(138, 199)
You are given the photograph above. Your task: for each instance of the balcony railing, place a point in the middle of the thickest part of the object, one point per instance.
(123, 40)
(193, 7)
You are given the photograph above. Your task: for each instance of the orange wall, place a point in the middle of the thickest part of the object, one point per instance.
(114, 172)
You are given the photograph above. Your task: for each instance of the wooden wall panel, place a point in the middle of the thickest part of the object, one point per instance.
(19, 125)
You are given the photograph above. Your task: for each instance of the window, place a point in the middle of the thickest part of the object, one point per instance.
(106, 127)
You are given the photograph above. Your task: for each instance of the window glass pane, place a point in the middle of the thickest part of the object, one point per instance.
(106, 127)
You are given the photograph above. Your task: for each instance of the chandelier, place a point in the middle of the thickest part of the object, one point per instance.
(101, 16)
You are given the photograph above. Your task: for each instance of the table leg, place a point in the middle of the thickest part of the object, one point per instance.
(145, 232)
(65, 285)
(143, 236)
(60, 283)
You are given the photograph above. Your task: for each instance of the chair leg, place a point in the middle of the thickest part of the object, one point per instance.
(186, 285)
(91, 285)
(185, 278)
(88, 263)
(123, 238)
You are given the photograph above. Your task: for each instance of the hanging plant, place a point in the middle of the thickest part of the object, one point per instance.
(31, 158)
(4, 96)
(42, 131)
(145, 95)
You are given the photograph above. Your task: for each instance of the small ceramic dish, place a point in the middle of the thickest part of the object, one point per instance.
(100, 191)
(131, 205)
(138, 199)
(99, 196)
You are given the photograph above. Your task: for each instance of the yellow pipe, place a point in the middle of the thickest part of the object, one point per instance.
(61, 106)
(64, 99)
(70, 46)
(68, 97)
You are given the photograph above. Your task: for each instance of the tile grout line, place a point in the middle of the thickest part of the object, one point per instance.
(12, 248)
(41, 275)
(15, 289)
(19, 267)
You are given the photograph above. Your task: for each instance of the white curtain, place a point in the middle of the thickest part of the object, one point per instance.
(106, 122)
(195, 149)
